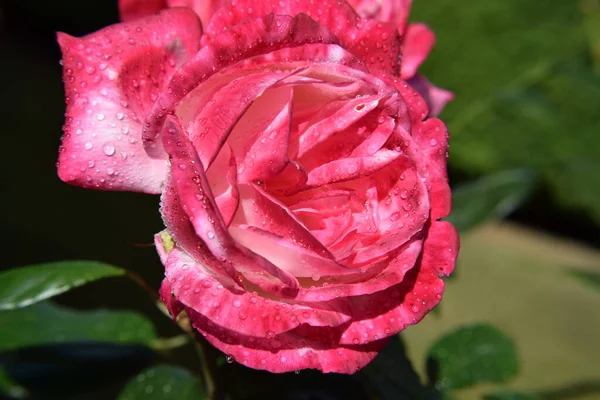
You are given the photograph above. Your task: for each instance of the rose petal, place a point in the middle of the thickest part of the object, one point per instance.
(259, 140)
(212, 125)
(416, 45)
(110, 78)
(174, 306)
(224, 190)
(292, 178)
(193, 190)
(431, 138)
(243, 312)
(259, 209)
(435, 97)
(350, 168)
(334, 117)
(291, 351)
(248, 38)
(388, 312)
(376, 43)
(394, 11)
(134, 9)
(292, 257)
(402, 208)
(385, 273)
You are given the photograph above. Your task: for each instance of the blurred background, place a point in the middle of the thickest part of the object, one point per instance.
(524, 166)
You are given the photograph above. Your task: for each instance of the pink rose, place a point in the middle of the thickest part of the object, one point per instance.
(304, 182)
(417, 39)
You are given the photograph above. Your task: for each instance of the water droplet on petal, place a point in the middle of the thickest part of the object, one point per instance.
(108, 149)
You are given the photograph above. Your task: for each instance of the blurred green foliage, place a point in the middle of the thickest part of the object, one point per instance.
(526, 93)
(490, 197)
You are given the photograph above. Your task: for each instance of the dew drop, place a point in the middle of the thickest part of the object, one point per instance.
(206, 283)
(109, 149)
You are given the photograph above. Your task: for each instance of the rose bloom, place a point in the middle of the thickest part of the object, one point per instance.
(302, 175)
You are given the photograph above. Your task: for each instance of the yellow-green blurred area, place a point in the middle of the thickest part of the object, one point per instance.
(522, 282)
(526, 76)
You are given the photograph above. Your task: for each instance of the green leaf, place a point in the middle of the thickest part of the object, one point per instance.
(45, 323)
(391, 374)
(470, 355)
(511, 395)
(164, 382)
(589, 278)
(492, 196)
(20, 287)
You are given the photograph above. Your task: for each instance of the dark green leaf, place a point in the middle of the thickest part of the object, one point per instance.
(511, 395)
(45, 323)
(492, 196)
(589, 278)
(164, 382)
(470, 355)
(20, 287)
(392, 376)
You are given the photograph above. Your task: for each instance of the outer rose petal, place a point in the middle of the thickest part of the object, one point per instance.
(389, 311)
(430, 138)
(173, 305)
(291, 351)
(376, 43)
(134, 9)
(243, 312)
(394, 11)
(416, 45)
(204, 8)
(435, 97)
(111, 78)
